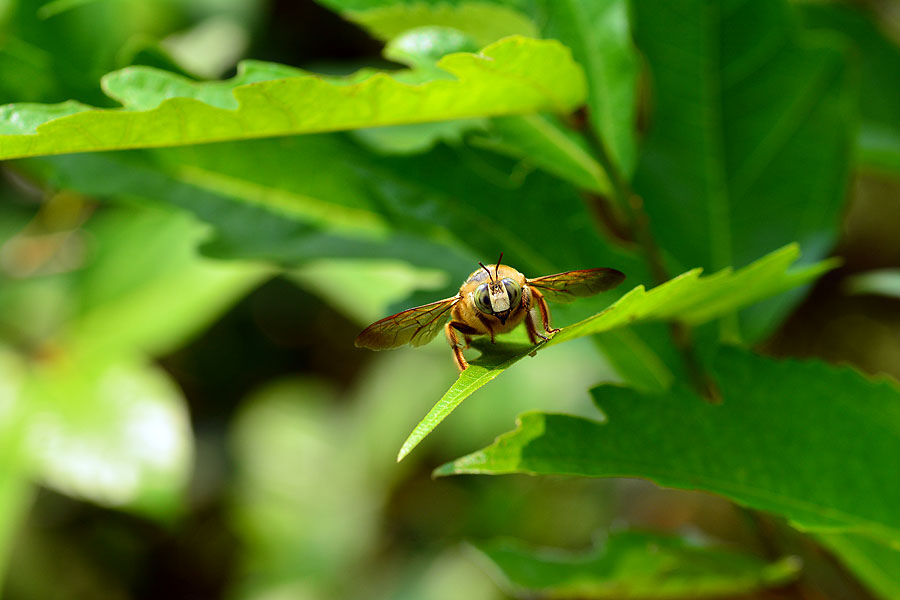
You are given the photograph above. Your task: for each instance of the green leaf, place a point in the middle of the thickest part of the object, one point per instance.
(750, 135)
(359, 5)
(102, 423)
(294, 527)
(515, 75)
(286, 182)
(541, 141)
(484, 22)
(146, 290)
(125, 443)
(878, 61)
(687, 298)
(634, 565)
(15, 487)
(422, 48)
(27, 72)
(599, 34)
(303, 189)
(364, 290)
(632, 358)
(882, 282)
(876, 564)
(413, 139)
(786, 439)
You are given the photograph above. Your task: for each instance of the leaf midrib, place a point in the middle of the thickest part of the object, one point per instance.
(717, 189)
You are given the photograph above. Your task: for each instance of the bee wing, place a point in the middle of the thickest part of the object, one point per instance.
(565, 287)
(415, 326)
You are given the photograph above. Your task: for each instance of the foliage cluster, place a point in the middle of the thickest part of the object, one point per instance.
(705, 148)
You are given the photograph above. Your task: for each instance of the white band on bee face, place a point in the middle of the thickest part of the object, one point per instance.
(499, 300)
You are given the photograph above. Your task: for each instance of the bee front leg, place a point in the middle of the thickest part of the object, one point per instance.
(545, 312)
(461, 363)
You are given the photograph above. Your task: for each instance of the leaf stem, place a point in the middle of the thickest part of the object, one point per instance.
(631, 205)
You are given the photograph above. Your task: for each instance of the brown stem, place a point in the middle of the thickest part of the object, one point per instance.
(638, 227)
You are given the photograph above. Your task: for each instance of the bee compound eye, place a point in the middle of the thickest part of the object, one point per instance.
(483, 298)
(513, 290)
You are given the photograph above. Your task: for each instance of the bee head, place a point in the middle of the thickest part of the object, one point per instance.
(497, 296)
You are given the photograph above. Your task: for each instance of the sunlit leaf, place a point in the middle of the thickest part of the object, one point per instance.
(599, 36)
(485, 22)
(634, 565)
(687, 298)
(786, 439)
(115, 433)
(101, 423)
(882, 282)
(515, 75)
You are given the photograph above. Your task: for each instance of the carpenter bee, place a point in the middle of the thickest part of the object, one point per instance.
(492, 300)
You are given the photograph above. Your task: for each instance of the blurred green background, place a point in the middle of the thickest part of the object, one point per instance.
(277, 436)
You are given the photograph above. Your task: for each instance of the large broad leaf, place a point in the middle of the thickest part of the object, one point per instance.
(878, 58)
(750, 135)
(515, 75)
(687, 298)
(303, 189)
(812, 443)
(599, 35)
(632, 564)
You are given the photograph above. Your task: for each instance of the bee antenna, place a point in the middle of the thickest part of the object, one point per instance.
(497, 268)
(486, 269)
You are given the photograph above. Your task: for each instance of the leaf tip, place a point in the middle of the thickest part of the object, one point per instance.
(407, 447)
(444, 470)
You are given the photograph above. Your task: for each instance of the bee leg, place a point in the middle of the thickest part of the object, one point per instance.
(533, 333)
(468, 340)
(545, 312)
(530, 327)
(461, 363)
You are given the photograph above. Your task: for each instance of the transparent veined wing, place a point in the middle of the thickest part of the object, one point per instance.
(565, 287)
(415, 326)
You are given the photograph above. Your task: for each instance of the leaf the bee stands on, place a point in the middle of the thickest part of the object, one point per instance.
(689, 298)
